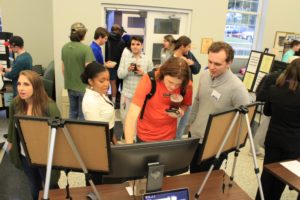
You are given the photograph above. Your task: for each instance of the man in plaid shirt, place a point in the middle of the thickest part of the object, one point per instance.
(131, 69)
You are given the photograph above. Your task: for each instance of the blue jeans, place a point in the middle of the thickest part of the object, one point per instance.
(183, 122)
(75, 100)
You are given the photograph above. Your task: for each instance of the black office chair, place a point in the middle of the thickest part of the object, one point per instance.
(38, 69)
(49, 80)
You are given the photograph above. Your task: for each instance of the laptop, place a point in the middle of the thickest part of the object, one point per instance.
(176, 194)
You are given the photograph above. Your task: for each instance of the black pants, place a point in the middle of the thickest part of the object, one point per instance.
(273, 187)
(36, 176)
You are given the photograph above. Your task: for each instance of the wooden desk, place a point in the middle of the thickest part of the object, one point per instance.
(284, 175)
(212, 189)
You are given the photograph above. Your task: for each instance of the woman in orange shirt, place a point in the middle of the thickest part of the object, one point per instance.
(158, 123)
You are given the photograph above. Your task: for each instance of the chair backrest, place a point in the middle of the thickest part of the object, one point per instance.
(49, 80)
(48, 85)
(49, 72)
(38, 69)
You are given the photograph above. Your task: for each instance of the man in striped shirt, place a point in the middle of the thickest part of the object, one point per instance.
(132, 67)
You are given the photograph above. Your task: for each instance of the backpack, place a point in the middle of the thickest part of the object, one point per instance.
(151, 75)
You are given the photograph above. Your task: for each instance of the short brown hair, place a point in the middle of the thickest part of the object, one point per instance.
(218, 46)
(116, 28)
(295, 43)
(291, 76)
(175, 67)
(100, 32)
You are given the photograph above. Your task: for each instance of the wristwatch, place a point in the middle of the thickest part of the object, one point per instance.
(3, 70)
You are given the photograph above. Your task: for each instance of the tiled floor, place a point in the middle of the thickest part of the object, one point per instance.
(13, 183)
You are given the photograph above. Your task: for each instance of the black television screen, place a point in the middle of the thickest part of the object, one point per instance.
(131, 161)
(278, 66)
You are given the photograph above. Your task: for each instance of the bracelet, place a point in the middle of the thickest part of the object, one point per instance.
(3, 70)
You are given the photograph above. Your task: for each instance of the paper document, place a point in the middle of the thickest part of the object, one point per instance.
(258, 79)
(129, 190)
(293, 166)
(266, 63)
(248, 80)
(253, 62)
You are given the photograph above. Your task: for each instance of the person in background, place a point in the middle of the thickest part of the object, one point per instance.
(283, 135)
(131, 69)
(262, 93)
(113, 51)
(96, 105)
(219, 90)
(182, 49)
(168, 47)
(295, 47)
(127, 38)
(32, 100)
(157, 123)
(100, 38)
(22, 62)
(75, 56)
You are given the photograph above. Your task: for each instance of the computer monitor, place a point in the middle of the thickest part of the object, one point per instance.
(278, 66)
(131, 161)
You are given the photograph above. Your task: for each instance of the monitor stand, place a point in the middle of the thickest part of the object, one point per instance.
(155, 177)
(152, 183)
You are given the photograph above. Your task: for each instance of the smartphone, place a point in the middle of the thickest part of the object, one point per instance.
(134, 65)
(172, 110)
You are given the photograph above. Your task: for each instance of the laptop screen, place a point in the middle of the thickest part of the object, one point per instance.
(177, 194)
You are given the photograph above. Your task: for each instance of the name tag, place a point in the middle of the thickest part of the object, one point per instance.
(215, 95)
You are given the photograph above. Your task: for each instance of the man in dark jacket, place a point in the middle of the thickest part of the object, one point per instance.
(113, 52)
(22, 62)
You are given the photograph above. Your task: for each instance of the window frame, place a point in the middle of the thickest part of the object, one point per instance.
(258, 15)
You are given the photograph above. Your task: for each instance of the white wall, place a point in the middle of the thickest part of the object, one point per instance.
(32, 20)
(280, 16)
(89, 13)
(45, 25)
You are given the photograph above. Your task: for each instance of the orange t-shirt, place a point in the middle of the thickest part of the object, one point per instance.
(156, 124)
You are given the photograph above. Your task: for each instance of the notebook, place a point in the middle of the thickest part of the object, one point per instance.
(176, 194)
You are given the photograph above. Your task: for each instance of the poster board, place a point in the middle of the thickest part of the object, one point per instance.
(259, 64)
(217, 127)
(4, 51)
(90, 138)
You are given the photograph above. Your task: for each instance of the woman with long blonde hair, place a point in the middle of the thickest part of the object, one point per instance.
(32, 100)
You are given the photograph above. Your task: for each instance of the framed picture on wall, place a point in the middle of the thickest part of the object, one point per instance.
(279, 40)
(297, 36)
(205, 44)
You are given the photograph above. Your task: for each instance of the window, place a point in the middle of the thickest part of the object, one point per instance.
(241, 24)
(136, 22)
(166, 26)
